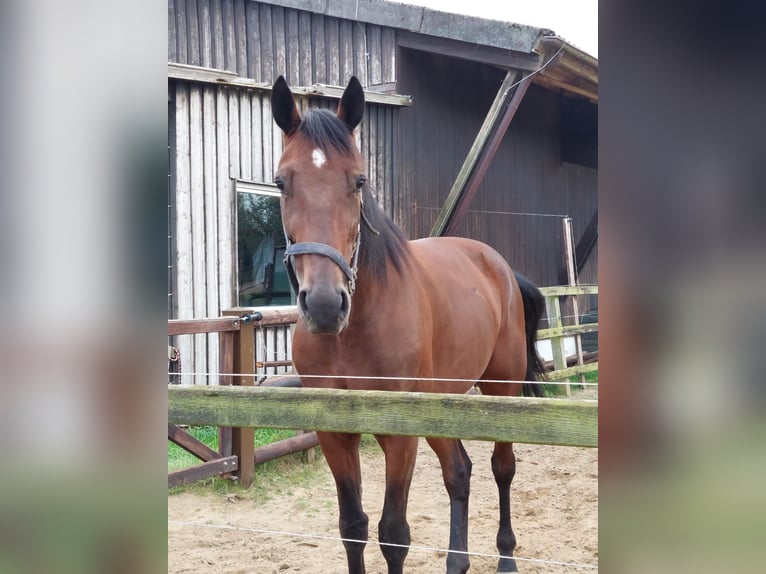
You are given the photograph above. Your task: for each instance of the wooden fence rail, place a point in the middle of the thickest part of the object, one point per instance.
(567, 290)
(563, 422)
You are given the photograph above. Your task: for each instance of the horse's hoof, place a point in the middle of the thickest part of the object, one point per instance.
(507, 566)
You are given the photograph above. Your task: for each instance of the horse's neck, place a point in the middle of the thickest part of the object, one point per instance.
(377, 301)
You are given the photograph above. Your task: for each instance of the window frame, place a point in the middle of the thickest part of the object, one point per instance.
(252, 188)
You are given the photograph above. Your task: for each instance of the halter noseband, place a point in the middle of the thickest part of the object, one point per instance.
(312, 248)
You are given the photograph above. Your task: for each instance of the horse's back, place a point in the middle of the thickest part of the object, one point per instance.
(459, 261)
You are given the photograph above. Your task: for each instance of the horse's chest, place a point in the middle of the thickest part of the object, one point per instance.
(390, 356)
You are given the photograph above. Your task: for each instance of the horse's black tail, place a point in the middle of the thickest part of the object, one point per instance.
(534, 306)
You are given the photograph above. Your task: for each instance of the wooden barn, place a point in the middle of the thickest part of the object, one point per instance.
(464, 134)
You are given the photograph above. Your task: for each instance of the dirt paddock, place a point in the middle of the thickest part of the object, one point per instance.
(554, 513)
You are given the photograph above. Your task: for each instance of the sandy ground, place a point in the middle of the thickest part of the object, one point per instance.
(554, 512)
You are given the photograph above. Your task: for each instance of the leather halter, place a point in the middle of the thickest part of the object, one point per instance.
(312, 248)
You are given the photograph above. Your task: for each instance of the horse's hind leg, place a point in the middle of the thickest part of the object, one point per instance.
(504, 469)
(456, 469)
(393, 528)
(342, 454)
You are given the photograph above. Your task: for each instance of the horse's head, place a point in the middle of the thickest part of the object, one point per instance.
(321, 175)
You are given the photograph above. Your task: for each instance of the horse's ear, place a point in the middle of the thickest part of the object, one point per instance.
(283, 107)
(351, 107)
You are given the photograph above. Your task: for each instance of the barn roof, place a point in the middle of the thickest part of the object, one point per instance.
(503, 44)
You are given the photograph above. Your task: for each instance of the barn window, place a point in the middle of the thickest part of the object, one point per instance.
(579, 132)
(262, 277)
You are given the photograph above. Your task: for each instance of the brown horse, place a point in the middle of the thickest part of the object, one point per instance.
(373, 305)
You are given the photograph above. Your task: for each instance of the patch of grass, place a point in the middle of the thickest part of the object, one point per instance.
(178, 458)
(368, 441)
(551, 390)
(268, 436)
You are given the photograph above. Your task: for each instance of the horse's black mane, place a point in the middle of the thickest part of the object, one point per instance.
(390, 245)
(323, 128)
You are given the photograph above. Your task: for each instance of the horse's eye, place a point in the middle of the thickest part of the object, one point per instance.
(280, 183)
(360, 181)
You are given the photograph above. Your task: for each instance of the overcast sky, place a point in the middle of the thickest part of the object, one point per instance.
(574, 20)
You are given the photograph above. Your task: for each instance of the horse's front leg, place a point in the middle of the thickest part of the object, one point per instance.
(456, 470)
(342, 454)
(393, 528)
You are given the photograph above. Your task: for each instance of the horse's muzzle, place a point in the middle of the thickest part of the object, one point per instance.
(324, 310)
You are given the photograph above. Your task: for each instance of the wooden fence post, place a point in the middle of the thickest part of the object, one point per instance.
(553, 310)
(571, 265)
(226, 343)
(243, 439)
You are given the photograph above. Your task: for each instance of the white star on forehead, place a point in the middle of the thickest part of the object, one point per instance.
(318, 157)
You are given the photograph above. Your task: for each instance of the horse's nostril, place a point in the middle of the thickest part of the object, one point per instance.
(302, 300)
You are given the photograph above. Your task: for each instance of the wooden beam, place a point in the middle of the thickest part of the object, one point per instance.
(201, 471)
(481, 154)
(566, 330)
(226, 342)
(573, 71)
(537, 421)
(269, 316)
(588, 73)
(584, 247)
(286, 446)
(468, 51)
(587, 357)
(196, 326)
(551, 84)
(267, 364)
(191, 444)
(282, 381)
(562, 374)
(565, 290)
(587, 242)
(200, 75)
(243, 439)
(553, 313)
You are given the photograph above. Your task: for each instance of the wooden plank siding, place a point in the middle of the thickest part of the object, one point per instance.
(261, 41)
(227, 234)
(183, 232)
(527, 175)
